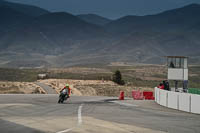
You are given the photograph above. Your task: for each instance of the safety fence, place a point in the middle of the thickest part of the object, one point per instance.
(142, 95)
(194, 91)
(180, 101)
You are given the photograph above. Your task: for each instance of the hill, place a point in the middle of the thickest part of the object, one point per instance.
(172, 20)
(61, 39)
(148, 38)
(94, 19)
(10, 17)
(53, 36)
(26, 9)
(52, 31)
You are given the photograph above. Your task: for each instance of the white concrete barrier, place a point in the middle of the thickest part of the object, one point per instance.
(195, 105)
(173, 100)
(157, 96)
(180, 101)
(184, 102)
(163, 97)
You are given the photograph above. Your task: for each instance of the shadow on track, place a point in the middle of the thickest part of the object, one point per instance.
(91, 102)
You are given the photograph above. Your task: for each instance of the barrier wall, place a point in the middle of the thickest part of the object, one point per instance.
(195, 108)
(163, 98)
(173, 100)
(180, 101)
(184, 102)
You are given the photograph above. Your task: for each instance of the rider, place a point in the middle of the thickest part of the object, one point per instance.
(67, 89)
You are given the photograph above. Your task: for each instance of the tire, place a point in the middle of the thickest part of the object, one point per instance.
(59, 101)
(62, 100)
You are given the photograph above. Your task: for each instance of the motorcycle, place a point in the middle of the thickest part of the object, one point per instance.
(63, 96)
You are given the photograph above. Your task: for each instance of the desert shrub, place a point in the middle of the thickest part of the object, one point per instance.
(117, 78)
(36, 91)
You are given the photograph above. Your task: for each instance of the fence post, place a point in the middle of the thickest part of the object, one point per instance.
(167, 100)
(159, 96)
(190, 104)
(155, 94)
(178, 102)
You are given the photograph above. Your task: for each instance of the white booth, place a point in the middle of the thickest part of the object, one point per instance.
(178, 71)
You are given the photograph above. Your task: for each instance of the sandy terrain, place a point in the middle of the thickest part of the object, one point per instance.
(92, 87)
(20, 88)
(79, 70)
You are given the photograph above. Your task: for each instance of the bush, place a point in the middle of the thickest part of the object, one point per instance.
(117, 78)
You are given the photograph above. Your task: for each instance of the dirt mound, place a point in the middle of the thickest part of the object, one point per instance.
(19, 88)
(92, 87)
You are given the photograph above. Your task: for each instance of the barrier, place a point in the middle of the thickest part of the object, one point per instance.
(137, 95)
(180, 101)
(195, 103)
(163, 98)
(184, 102)
(121, 96)
(148, 95)
(194, 91)
(157, 96)
(172, 100)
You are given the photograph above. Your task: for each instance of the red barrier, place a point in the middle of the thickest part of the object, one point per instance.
(149, 98)
(121, 96)
(148, 95)
(137, 95)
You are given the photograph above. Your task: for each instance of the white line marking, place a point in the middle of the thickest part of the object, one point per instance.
(79, 115)
(65, 131)
(79, 120)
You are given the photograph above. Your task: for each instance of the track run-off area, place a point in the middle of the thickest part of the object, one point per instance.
(82, 114)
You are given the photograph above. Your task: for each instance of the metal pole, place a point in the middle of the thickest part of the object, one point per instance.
(176, 85)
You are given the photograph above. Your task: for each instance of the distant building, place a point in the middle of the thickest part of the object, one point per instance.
(42, 76)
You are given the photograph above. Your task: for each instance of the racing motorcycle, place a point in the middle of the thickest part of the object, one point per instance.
(63, 96)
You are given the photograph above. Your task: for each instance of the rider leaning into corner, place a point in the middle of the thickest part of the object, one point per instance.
(67, 89)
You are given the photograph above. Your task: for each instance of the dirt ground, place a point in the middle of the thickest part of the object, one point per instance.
(93, 80)
(92, 87)
(20, 88)
(79, 70)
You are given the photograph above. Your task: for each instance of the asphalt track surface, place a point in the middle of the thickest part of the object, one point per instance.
(41, 113)
(46, 88)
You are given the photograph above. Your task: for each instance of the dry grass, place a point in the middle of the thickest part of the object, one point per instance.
(19, 88)
(78, 70)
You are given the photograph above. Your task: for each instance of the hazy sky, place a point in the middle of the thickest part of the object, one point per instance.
(109, 8)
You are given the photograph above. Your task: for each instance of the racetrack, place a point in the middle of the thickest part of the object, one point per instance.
(46, 88)
(41, 113)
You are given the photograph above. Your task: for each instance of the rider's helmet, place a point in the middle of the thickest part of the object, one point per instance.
(67, 85)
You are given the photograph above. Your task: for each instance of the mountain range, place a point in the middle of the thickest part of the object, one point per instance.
(94, 19)
(34, 37)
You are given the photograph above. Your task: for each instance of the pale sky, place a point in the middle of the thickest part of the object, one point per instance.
(109, 8)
